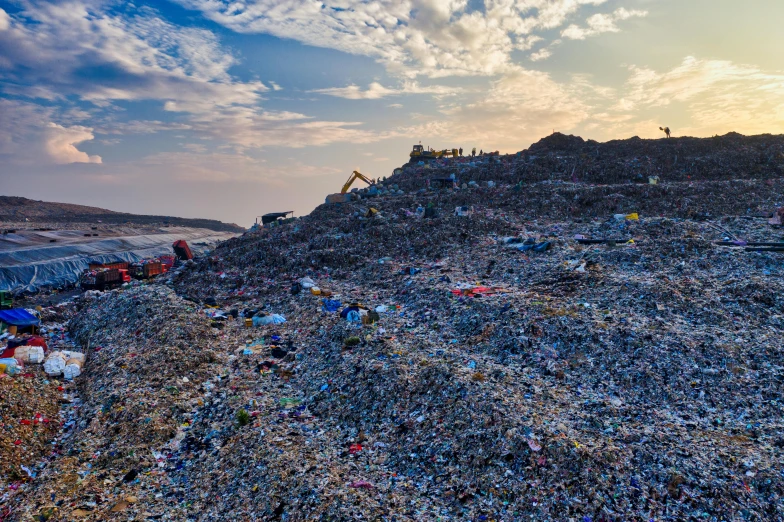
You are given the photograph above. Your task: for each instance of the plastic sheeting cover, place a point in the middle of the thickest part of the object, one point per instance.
(18, 317)
(28, 268)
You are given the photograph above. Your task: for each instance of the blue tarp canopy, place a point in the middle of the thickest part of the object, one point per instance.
(18, 317)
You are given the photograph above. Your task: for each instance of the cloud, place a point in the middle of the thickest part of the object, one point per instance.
(414, 37)
(28, 135)
(541, 54)
(5, 20)
(715, 96)
(141, 56)
(60, 144)
(601, 23)
(198, 165)
(140, 127)
(517, 109)
(376, 91)
(51, 51)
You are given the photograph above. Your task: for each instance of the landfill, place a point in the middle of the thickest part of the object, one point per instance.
(576, 343)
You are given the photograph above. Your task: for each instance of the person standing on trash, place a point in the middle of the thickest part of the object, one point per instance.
(480, 152)
(473, 152)
(460, 151)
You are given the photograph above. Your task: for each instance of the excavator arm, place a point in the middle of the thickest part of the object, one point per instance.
(354, 176)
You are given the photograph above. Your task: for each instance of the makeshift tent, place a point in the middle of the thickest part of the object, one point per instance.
(18, 317)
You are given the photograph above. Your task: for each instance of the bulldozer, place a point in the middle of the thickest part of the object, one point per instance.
(418, 153)
(355, 176)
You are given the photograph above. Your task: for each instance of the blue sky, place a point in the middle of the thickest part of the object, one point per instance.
(224, 109)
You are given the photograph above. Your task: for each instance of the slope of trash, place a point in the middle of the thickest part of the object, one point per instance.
(536, 355)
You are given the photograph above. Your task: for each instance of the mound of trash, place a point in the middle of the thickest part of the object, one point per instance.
(463, 350)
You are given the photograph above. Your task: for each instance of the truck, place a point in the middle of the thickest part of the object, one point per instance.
(146, 269)
(168, 262)
(182, 250)
(102, 278)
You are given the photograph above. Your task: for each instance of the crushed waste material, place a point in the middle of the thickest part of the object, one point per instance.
(629, 370)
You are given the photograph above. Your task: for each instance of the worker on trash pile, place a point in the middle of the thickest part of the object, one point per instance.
(480, 152)
(461, 151)
(473, 152)
(666, 131)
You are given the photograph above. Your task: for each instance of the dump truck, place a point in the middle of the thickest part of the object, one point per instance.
(146, 269)
(103, 278)
(182, 250)
(168, 262)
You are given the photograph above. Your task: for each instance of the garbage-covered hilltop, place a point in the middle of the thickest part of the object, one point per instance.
(581, 331)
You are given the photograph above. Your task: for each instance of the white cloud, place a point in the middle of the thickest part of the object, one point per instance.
(140, 127)
(413, 37)
(601, 23)
(375, 91)
(354, 92)
(60, 144)
(275, 86)
(195, 147)
(198, 165)
(718, 96)
(28, 135)
(143, 57)
(542, 54)
(5, 20)
(517, 109)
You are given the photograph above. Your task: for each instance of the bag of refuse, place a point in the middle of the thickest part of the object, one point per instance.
(55, 363)
(79, 356)
(73, 368)
(29, 354)
(331, 305)
(307, 283)
(10, 366)
(269, 319)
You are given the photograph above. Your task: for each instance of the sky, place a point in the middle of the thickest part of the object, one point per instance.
(231, 109)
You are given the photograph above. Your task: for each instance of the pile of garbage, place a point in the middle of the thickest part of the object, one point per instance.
(31, 394)
(629, 370)
(416, 363)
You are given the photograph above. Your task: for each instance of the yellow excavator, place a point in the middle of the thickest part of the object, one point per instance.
(355, 176)
(418, 153)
